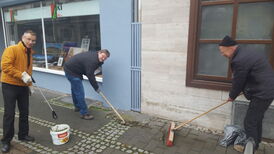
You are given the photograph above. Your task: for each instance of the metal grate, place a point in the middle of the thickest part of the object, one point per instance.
(136, 67)
(239, 109)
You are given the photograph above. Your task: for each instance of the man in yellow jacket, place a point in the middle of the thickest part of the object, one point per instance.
(16, 78)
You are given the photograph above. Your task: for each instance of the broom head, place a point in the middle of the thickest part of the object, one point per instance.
(170, 135)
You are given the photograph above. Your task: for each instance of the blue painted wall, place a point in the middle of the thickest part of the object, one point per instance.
(115, 22)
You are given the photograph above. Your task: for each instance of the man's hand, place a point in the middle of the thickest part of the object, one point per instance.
(230, 99)
(26, 78)
(98, 90)
(31, 90)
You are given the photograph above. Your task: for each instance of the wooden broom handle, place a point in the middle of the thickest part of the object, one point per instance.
(184, 123)
(101, 93)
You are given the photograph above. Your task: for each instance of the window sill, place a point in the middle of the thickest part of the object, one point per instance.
(214, 85)
(57, 72)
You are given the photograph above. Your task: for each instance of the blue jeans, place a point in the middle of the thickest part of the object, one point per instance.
(78, 94)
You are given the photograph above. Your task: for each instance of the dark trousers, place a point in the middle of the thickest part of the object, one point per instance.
(11, 95)
(254, 118)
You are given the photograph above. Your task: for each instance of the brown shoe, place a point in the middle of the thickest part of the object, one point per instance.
(239, 148)
(87, 117)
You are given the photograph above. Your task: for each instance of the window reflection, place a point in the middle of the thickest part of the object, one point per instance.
(216, 21)
(21, 18)
(70, 30)
(70, 27)
(256, 25)
(211, 62)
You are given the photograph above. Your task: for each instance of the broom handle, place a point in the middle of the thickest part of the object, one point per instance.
(184, 123)
(101, 93)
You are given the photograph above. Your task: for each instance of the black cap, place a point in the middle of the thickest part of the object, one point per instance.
(227, 41)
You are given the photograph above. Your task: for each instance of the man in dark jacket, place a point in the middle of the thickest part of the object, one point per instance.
(254, 76)
(83, 64)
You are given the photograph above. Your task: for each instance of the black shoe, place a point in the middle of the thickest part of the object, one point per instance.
(76, 109)
(5, 147)
(27, 138)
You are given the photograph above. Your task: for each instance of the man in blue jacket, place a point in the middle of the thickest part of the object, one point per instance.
(83, 64)
(254, 76)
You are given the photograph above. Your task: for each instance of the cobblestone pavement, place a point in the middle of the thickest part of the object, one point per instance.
(141, 135)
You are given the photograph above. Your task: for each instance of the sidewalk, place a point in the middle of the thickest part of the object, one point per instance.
(104, 134)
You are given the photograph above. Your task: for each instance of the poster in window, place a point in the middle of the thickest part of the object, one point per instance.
(60, 61)
(73, 51)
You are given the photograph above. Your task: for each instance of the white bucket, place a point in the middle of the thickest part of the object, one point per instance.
(60, 134)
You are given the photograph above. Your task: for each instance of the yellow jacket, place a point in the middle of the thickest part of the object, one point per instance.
(14, 62)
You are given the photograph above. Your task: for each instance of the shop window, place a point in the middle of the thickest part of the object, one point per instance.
(71, 27)
(64, 28)
(18, 19)
(250, 23)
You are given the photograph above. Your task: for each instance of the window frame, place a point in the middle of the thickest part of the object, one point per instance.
(206, 81)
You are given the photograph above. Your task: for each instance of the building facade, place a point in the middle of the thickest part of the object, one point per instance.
(67, 27)
(183, 73)
(164, 53)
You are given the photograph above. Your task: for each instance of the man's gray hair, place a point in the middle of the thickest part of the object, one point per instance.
(105, 51)
(30, 32)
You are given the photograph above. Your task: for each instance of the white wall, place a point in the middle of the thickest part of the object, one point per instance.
(164, 56)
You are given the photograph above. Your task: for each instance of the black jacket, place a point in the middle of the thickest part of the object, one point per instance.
(84, 64)
(252, 74)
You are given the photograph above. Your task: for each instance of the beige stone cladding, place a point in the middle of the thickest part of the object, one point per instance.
(164, 57)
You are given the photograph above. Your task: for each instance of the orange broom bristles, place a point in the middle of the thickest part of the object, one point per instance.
(170, 135)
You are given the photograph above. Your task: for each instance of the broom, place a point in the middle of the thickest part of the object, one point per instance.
(117, 113)
(172, 128)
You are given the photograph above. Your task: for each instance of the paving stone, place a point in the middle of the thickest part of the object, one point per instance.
(116, 152)
(211, 146)
(269, 150)
(156, 123)
(170, 150)
(158, 150)
(207, 137)
(139, 144)
(158, 137)
(20, 147)
(206, 151)
(261, 147)
(183, 140)
(183, 132)
(219, 150)
(184, 148)
(230, 150)
(214, 137)
(196, 132)
(198, 145)
(104, 135)
(193, 152)
(260, 151)
(152, 145)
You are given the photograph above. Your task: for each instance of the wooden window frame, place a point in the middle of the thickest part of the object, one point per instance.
(213, 82)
